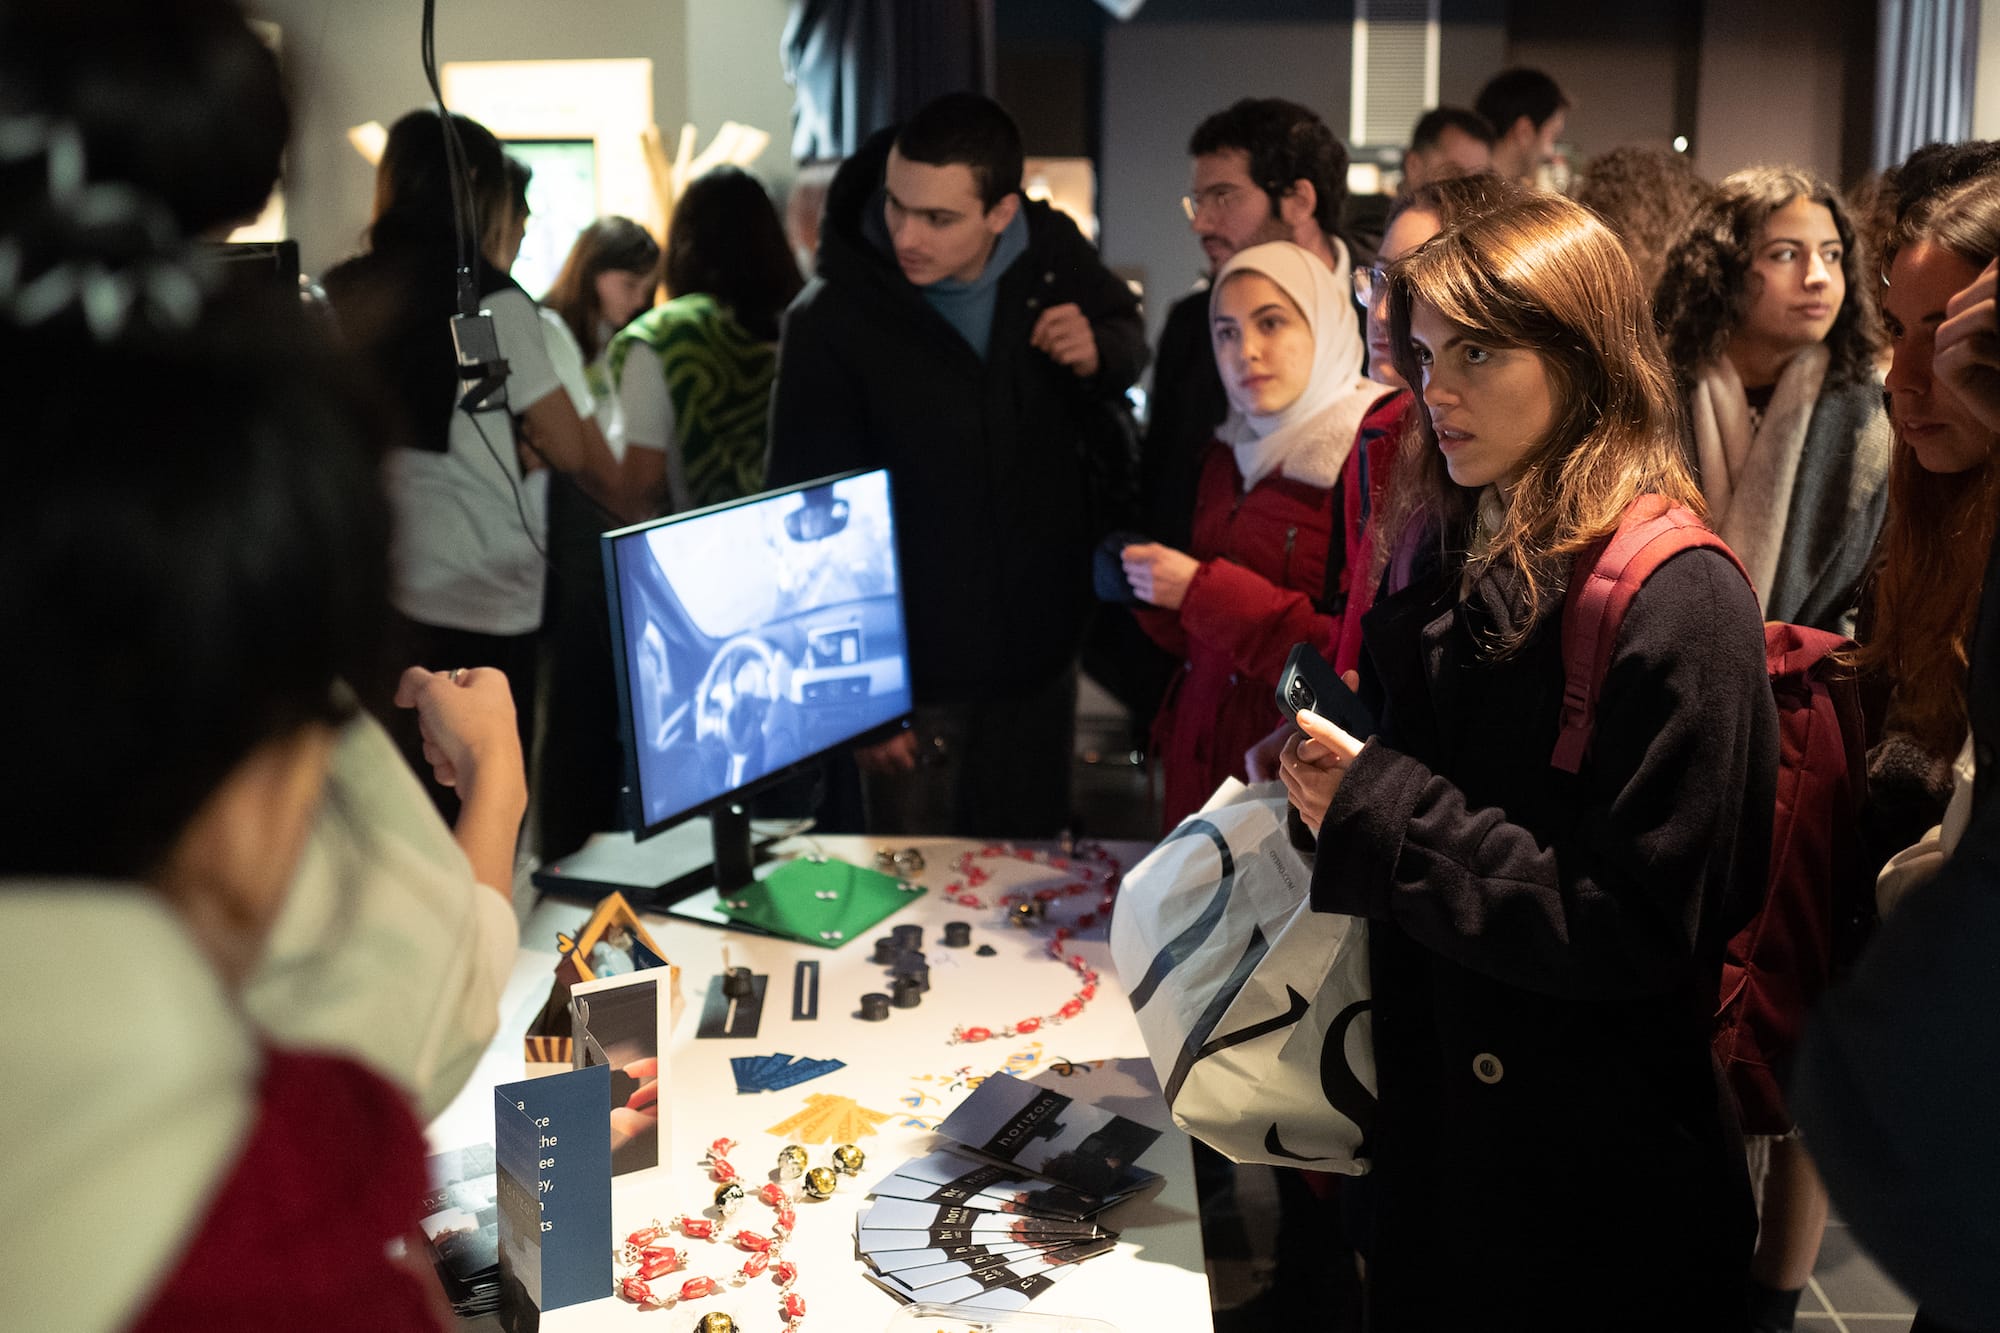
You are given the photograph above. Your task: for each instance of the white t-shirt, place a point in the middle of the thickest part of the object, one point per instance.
(469, 525)
(646, 417)
(387, 949)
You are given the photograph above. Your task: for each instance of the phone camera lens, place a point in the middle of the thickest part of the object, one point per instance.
(1301, 694)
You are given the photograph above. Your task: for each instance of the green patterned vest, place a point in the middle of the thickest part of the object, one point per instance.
(719, 381)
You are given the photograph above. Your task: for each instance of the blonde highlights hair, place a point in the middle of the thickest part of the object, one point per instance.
(1543, 274)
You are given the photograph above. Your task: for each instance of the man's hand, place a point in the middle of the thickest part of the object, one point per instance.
(1967, 355)
(1064, 333)
(898, 754)
(1158, 574)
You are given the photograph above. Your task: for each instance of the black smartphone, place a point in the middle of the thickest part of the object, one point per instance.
(1308, 682)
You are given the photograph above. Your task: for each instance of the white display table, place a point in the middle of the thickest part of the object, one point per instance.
(1153, 1281)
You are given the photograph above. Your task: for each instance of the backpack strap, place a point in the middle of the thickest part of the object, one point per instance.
(1605, 579)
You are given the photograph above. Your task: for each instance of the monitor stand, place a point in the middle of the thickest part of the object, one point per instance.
(720, 851)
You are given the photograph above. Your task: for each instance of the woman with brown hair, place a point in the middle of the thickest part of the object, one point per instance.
(1545, 948)
(694, 376)
(604, 284)
(1644, 194)
(1768, 314)
(1944, 497)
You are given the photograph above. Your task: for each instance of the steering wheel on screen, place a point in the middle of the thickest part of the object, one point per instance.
(734, 699)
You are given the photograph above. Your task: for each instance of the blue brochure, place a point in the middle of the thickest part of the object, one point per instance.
(552, 1152)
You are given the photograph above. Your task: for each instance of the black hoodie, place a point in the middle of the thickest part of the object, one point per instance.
(985, 456)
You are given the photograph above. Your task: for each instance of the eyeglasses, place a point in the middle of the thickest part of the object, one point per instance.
(1369, 281)
(1215, 196)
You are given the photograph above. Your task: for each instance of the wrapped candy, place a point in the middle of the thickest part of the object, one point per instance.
(697, 1287)
(821, 1182)
(791, 1161)
(772, 1193)
(697, 1228)
(729, 1197)
(715, 1322)
(849, 1159)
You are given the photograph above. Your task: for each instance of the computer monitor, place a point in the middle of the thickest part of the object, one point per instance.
(751, 638)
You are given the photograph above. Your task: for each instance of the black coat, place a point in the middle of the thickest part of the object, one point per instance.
(985, 456)
(1188, 402)
(1897, 1088)
(1553, 1149)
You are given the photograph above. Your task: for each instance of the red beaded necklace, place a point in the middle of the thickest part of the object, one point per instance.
(649, 1260)
(1091, 868)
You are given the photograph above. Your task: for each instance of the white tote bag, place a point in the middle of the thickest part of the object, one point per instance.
(1254, 1007)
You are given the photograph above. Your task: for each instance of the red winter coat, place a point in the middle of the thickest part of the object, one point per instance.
(1263, 573)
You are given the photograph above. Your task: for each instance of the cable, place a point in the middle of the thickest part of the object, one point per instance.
(463, 211)
(520, 505)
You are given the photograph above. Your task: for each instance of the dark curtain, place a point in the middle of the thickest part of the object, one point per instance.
(1927, 53)
(857, 66)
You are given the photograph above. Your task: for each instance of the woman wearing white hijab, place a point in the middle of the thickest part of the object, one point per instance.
(1256, 581)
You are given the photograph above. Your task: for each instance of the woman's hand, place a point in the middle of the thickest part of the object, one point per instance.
(1967, 355)
(1260, 761)
(1314, 764)
(1158, 574)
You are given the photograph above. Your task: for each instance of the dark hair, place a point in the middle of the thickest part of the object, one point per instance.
(608, 245)
(1925, 178)
(1539, 272)
(413, 183)
(1453, 199)
(1514, 93)
(178, 97)
(966, 130)
(197, 560)
(1704, 287)
(519, 177)
(1645, 195)
(1285, 143)
(1434, 122)
(1937, 167)
(726, 240)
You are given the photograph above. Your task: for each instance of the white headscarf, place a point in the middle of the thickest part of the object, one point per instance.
(1310, 440)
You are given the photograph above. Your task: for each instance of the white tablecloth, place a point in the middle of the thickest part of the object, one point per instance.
(1153, 1281)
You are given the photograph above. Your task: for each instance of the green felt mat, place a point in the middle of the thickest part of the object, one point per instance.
(826, 903)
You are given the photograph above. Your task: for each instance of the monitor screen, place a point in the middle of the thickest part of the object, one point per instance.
(751, 636)
(562, 201)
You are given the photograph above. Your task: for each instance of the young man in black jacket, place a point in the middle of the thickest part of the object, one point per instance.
(967, 339)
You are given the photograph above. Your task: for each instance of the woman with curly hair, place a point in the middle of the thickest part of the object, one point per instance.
(1768, 316)
(1644, 194)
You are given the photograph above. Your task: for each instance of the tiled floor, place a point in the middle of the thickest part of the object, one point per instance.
(1849, 1292)
(1116, 798)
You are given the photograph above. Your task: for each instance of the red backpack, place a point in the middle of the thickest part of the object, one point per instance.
(1777, 965)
